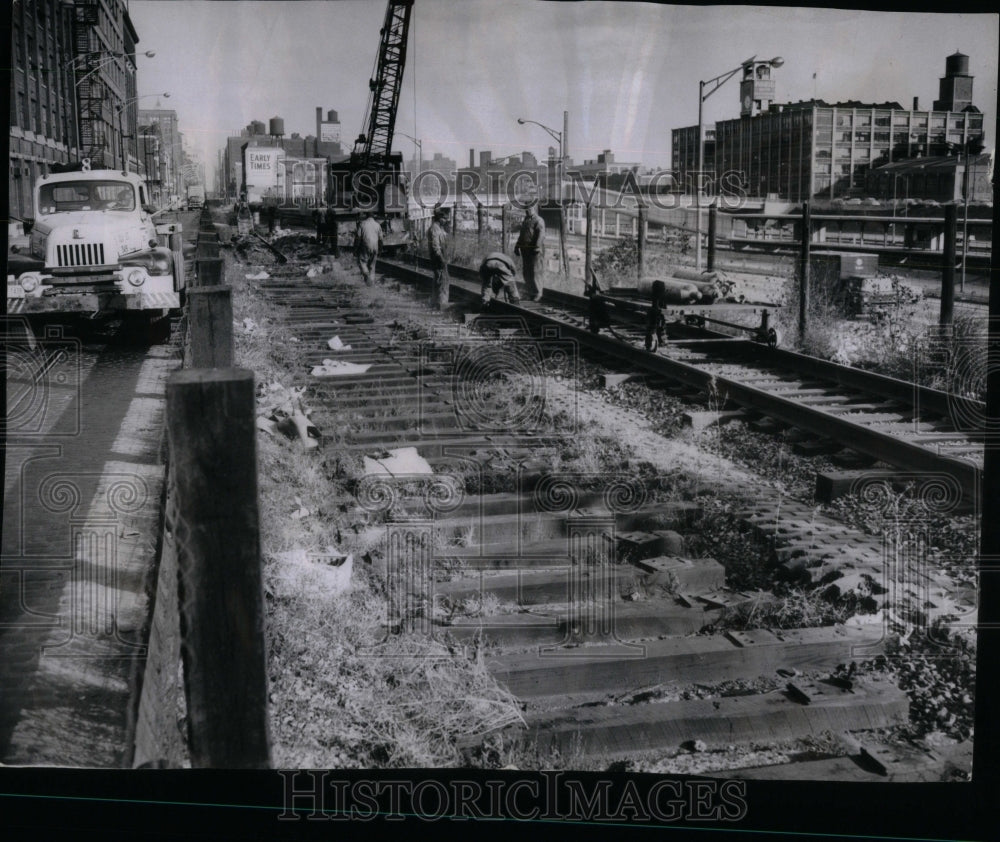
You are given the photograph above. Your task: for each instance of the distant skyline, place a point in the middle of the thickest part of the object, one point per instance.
(627, 72)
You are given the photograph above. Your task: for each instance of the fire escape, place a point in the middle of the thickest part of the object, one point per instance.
(90, 91)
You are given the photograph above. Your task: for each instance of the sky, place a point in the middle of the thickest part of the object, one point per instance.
(626, 73)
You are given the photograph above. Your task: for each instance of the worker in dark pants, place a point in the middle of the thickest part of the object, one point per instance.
(272, 219)
(332, 231)
(436, 239)
(367, 243)
(317, 219)
(497, 273)
(530, 243)
(656, 324)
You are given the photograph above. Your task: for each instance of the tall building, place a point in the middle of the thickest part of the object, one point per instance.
(810, 149)
(165, 119)
(73, 90)
(105, 42)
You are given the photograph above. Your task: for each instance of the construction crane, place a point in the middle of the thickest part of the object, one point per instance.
(372, 148)
(371, 177)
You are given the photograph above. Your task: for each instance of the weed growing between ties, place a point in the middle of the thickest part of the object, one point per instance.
(345, 691)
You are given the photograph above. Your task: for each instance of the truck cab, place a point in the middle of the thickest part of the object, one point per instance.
(94, 247)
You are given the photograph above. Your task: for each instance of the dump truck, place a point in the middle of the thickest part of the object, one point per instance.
(94, 248)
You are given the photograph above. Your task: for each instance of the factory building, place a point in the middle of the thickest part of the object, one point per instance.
(815, 149)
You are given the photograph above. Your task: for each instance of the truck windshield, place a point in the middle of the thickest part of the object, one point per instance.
(65, 196)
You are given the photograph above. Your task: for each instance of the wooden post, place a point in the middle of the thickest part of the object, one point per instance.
(562, 239)
(212, 434)
(948, 265)
(207, 248)
(480, 220)
(176, 243)
(641, 239)
(209, 272)
(588, 249)
(504, 224)
(713, 213)
(804, 271)
(210, 310)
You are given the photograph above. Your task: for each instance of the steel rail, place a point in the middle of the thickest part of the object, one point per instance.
(859, 437)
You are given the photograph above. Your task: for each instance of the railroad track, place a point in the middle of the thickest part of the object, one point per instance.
(910, 427)
(579, 584)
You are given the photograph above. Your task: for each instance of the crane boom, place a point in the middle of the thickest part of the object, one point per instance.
(372, 149)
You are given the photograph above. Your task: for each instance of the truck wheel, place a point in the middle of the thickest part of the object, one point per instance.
(146, 327)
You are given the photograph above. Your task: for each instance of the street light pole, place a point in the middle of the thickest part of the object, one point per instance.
(420, 151)
(118, 114)
(558, 137)
(110, 57)
(718, 82)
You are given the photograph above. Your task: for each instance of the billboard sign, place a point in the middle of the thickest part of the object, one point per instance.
(262, 172)
(329, 132)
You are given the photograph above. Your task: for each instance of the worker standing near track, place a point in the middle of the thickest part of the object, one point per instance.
(530, 243)
(436, 238)
(498, 273)
(367, 244)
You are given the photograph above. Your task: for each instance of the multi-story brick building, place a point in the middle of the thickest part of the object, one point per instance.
(73, 90)
(810, 149)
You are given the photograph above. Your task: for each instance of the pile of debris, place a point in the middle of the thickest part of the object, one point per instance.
(281, 410)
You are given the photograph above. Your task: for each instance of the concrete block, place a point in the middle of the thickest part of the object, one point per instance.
(610, 381)
(703, 420)
(689, 576)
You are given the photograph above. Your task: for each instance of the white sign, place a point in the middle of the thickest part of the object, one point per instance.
(329, 132)
(262, 166)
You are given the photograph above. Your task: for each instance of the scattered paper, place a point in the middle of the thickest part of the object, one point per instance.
(327, 572)
(259, 276)
(336, 368)
(336, 344)
(249, 325)
(402, 461)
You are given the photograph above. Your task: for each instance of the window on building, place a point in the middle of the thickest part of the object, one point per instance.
(882, 118)
(882, 138)
(863, 120)
(862, 137)
(919, 121)
(844, 119)
(824, 117)
(937, 122)
(901, 119)
(958, 122)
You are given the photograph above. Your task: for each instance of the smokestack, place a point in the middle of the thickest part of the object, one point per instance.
(916, 103)
(472, 159)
